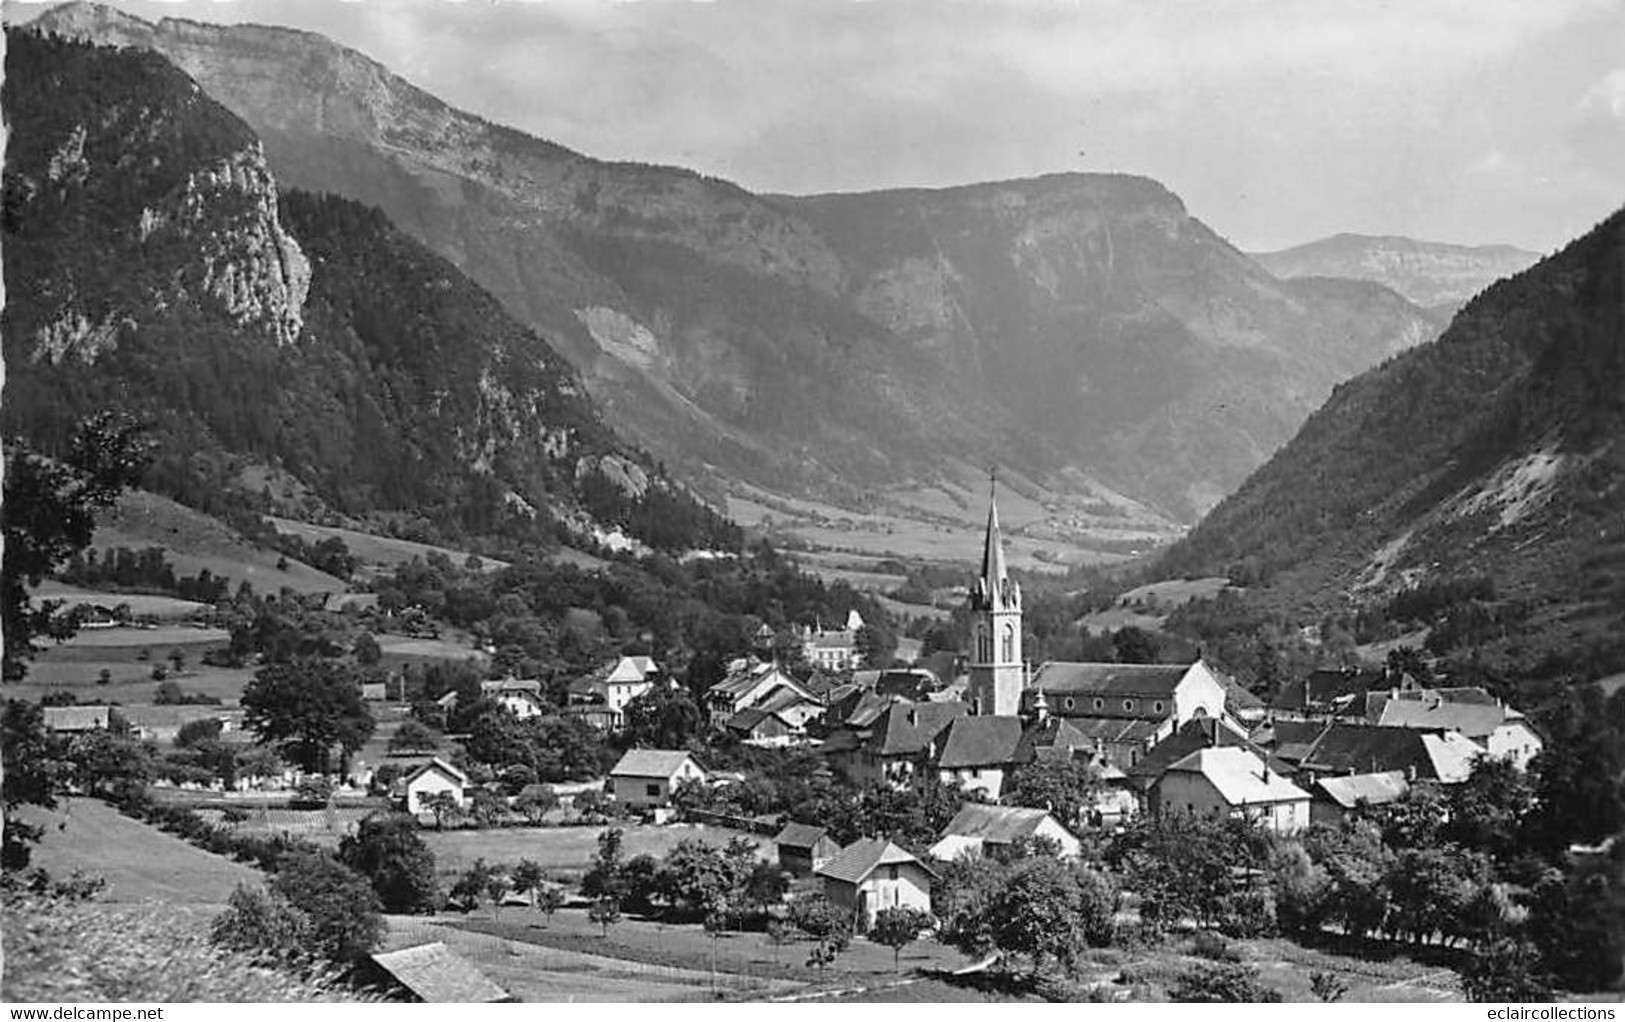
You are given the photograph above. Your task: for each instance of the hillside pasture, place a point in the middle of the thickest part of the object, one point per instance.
(398, 649)
(193, 541)
(142, 605)
(131, 684)
(140, 862)
(370, 548)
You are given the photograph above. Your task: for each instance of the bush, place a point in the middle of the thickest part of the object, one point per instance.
(1213, 947)
(1223, 982)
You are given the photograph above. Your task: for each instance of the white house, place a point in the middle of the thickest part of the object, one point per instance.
(647, 777)
(601, 697)
(873, 874)
(751, 684)
(1231, 781)
(429, 780)
(978, 828)
(521, 697)
(1494, 727)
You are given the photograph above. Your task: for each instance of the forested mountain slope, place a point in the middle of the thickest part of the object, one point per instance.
(152, 267)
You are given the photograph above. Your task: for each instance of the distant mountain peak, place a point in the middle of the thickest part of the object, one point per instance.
(1436, 275)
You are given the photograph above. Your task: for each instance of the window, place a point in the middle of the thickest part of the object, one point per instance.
(652, 790)
(1008, 653)
(891, 873)
(1128, 705)
(1068, 702)
(1157, 706)
(1100, 704)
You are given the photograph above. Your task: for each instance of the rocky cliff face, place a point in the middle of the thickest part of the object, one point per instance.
(1083, 330)
(1433, 275)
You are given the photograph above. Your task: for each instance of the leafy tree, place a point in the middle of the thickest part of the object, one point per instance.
(536, 801)
(413, 736)
(387, 850)
(340, 903)
(263, 924)
(195, 732)
(1047, 910)
(550, 900)
(897, 928)
(1134, 646)
(1506, 970)
(605, 911)
(366, 649)
(306, 708)
(528, 877)
(35, 768)
(1327, 987)
(109, 763)
(876, 645)
(695, 874)
(604, 878)
(497, 886)
(444, 806)
(50, 513)
(473, 885)
(1063, 787)
(662, 718)
(765, 885)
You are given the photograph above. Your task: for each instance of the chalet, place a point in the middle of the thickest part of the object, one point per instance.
(978, 829)
(1494, 727)
(1231, 781)
(645, 778)
(1333, 798)
(433, 974)
(521, 697)
(430, 779)
(74, 720)
(803, 848)
(1425, 755)
(873, 874)
(601, 697)
(750, 684)
(758, 725)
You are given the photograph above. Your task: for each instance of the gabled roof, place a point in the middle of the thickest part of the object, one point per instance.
(1280, 732)
(1119, 729)
(1110, 680)
(1240, 777)
(800, 835)
(747, 720)
(505, 685)
(854, 863)
(981, 742)
(435, 975)
(822, 684)
(650, 763)
(1373, 789)
(632, 669)
(1328, 686)
(998, 825)
(1055, 735)
(1193, 735)
(910, 683)
(436, 764)
(910, 728)
(1237, 697)
(77, 718)
(832, 640)
(786, 698)
(742, 681)
(868, 709)
(1472, 711)
(1368, 748)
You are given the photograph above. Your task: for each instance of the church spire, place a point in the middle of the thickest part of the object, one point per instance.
(993, 572)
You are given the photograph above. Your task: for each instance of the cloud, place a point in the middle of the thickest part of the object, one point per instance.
(1607, 95)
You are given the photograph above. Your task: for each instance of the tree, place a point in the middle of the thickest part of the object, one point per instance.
(413, 736)
(876, 645)
(536, 801)
(550, 900)
(1223, 982)
(1063, 787)
(605, 911)
(265, 925)
(604, 878)
(387, 850)
(662, 718)
(497, 886)
(1134, 646)
(366, 649)
(528, 877)
(195, 732)
(444, 806)
(898, 927)
(35, 768)
(50, 514)
(473, 885)
(305, 708)
(340, 903)
(1327, 986)
(828, 926)
(1050, 910)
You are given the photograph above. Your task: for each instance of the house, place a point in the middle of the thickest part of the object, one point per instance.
(1125, 709)
(374, 691)
(1333, 798)
(521, 697)
(430, 779)
(1201, 733)
(1424, 755)
(903, 739)
(1494, 727)
(433, 974)
(1231, 781)
(873, 874)
(803, 848)
(609, 689)
(760, 726)
(1334, 692)
(75, 720)
(980, 753)
(747, 685)
(1239, 702)
(978, 829)
(831, 650)
(646, 777)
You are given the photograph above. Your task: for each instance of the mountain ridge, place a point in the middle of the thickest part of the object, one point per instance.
(1435, 275)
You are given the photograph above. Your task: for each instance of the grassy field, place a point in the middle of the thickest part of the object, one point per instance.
(373, 549)
(140, 863)
(562, 849)
(194, 541)
(131, 684)
(159, 640)
(142, 605)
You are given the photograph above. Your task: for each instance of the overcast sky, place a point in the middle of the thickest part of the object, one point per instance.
(1278, 122)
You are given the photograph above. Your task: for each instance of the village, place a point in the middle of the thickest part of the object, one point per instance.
(848, 807)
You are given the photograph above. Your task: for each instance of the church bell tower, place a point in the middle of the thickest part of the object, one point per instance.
(996, 672)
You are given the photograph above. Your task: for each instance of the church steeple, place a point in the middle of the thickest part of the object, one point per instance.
(997, 674)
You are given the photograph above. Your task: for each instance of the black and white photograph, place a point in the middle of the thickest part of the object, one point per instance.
(834, 502)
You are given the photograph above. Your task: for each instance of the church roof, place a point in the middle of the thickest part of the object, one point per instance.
(1109, 680)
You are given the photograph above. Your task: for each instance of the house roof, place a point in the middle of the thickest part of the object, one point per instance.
(998, 825)
(1201, 733)
(855, 862)
(910, 728)
(800, 835)
(981, 741)
(435, 975)
(1329, 687)
(1369, 748)
(1472, 711)
(632, 669)
(909, 683)
(447, 700)
(77, 718)
(1373, 789)
(650, 763)
(832, 640)
(1143, 680)
(1115, 729)
(1056, 735)
(435, 764)
(786, 698)
(1240, 777)
(1280, 733)
(1237, 698)
(374, 691)
(742, 681)
(868, 709)
(747, 720)
(506, 685)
